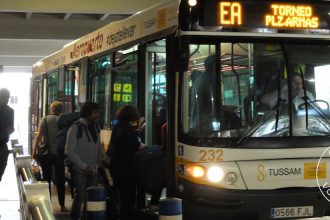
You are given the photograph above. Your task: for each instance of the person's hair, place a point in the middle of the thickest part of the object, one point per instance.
(127, 113)
(87, 108)
(4, 94)
(56, 107)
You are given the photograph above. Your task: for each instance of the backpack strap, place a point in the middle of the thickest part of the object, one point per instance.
(80, 127)
(98, 129)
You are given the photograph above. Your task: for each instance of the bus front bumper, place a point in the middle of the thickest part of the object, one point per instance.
(207, 202)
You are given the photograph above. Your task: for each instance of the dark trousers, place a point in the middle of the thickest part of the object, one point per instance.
(126, 188)
(47, 163)
(3, 158)
(81, 182)
(155, 196)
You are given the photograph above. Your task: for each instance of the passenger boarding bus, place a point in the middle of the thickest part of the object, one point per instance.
(237, 93)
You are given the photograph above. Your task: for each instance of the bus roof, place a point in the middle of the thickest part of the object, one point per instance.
(148, 22)
(298, 19)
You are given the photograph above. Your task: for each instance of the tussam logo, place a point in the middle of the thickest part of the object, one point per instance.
(279, 171)
(321, 174)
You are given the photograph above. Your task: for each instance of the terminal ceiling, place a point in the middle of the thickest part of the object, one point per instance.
(33, 29)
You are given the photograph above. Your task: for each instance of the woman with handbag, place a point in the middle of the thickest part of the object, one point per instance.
(45, 151)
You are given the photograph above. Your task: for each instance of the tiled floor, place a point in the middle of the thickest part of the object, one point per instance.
(56, 207)
(10, 201)
(9, 195)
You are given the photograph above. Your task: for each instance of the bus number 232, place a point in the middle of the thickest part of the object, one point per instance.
(210, 155)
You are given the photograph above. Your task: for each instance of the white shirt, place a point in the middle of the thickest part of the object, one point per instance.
(296, 101)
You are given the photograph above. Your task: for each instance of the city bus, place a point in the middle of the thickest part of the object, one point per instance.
(235, 91)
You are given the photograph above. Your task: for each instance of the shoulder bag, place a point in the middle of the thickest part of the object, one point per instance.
(42, 149)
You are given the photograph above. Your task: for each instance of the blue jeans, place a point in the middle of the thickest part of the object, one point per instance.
(80, 182)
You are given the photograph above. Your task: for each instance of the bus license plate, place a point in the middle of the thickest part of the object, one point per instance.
(287, 212)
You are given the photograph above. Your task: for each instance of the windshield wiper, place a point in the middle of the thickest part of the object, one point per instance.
(279, 101)
(305, 96)
(249, 132)
(317, 109)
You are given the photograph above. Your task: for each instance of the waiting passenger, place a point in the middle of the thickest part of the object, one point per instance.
(83, 148)
(47, 133)
(202, 99)
(124, 143)
(6, 128)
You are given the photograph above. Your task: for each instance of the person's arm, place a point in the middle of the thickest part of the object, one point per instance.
(309, 95)
(71, 146)
(37, 139)
(129, 137)
(270, 99)
(10, 129)
(141, 124)
(100, 152)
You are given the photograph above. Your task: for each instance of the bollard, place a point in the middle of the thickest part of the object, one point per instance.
(96, 203)
(170, 209)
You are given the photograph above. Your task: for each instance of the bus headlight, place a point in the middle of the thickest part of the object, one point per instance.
(192, 3)
(215, 174)
(230, 178)
(195, 171)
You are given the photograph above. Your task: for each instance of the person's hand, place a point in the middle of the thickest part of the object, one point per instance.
(142, 145)
(141, 124)
(141, 120)
(89, 169)
(10, 130)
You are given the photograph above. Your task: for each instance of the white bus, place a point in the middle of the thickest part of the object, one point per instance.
(236, 92)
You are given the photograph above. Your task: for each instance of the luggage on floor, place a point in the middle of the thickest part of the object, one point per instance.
(150, 168)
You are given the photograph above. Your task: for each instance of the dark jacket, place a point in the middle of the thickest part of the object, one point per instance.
(6, 121)
(124, 143)
(203, 104)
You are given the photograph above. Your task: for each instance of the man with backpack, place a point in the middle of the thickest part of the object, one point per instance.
(83, 148)
(64, 122)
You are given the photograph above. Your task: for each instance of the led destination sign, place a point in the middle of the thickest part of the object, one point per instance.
(279, 15)
(264, 14)
(297, 16)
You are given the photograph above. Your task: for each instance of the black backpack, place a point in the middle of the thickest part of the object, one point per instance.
(64, 122)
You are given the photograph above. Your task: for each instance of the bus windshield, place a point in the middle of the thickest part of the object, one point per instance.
(256, 90)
